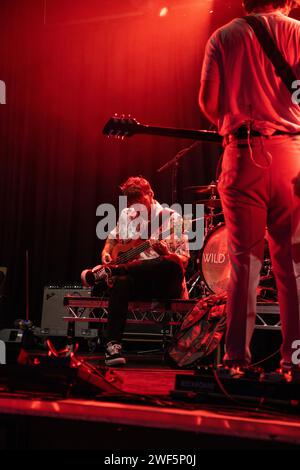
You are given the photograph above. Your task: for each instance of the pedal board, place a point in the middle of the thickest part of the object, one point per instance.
(208, 385)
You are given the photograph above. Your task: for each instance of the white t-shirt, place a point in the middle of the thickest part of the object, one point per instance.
(249, 88)
(128, 229)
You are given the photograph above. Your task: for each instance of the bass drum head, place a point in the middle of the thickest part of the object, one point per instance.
(214, 261)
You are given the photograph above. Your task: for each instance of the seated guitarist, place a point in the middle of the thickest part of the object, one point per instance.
(156, 272)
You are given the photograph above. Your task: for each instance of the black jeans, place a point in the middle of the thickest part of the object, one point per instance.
(159, 278)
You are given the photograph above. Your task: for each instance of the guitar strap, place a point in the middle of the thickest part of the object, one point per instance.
(282, 67)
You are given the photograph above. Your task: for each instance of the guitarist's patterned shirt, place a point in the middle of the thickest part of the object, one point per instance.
(165, 224)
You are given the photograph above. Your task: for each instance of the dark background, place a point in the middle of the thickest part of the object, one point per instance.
(68, 66)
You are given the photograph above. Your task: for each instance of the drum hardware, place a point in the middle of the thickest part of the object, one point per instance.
(267, 286)
(196, 282)
(209, 189)
(209, 222)
(211, 216)
(212, 203)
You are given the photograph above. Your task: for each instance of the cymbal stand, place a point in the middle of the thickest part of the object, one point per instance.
(208, 227)
(197, 281)
(209, 222)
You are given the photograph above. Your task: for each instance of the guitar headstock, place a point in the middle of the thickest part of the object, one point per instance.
(121, 126)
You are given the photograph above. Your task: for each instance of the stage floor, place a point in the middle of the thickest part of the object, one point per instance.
(145, 415)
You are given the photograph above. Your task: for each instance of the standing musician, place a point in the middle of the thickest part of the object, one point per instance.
(156, 272)
(253, 109)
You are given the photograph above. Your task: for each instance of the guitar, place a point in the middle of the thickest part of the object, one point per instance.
(122, 253)
(121, 127)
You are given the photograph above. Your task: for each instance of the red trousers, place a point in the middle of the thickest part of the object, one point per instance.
(257, 193)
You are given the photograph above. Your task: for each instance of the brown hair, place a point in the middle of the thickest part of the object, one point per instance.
(250, 5)
(136, 186)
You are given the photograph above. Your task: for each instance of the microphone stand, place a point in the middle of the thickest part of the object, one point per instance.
(174, 164)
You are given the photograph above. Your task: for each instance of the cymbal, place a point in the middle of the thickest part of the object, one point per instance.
(211, 203)
(209, 189)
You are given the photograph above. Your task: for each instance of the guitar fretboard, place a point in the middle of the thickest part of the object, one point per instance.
(131, 254)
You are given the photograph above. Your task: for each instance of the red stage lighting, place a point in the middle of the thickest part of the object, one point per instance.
(163, 12)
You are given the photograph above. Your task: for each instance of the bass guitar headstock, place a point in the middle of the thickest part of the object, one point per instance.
(121, 126)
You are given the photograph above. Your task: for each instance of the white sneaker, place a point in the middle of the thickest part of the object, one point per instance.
(113, 355)
(90, 277)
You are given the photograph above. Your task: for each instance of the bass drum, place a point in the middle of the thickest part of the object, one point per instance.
(215, 265)
(214, 260)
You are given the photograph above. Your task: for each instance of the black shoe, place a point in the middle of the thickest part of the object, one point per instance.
(238, 372)
(230, 372)
(113, 355)
(290, 371)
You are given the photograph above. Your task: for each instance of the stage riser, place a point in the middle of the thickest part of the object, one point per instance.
(52, 323)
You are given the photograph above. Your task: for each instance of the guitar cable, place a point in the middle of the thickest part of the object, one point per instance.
(267, 154)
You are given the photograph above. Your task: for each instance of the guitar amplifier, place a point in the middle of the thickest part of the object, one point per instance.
(52, 323)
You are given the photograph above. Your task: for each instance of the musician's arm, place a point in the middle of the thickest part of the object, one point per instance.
(209, 94)
(182, 251)
(179, 245)
(114, 237)
(209, 100)
(107, 250)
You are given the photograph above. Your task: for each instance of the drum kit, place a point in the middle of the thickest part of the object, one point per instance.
(213, 265)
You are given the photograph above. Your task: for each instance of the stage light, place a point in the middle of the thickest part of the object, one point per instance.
(163, 12)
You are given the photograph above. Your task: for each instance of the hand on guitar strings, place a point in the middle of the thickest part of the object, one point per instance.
(106, 257)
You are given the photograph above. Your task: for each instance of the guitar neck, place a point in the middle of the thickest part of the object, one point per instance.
(133, 252)
(205, 136)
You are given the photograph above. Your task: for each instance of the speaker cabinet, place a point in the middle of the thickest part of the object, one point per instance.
(53, 311)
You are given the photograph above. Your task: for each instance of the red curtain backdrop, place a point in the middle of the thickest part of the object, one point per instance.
(64, 80)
